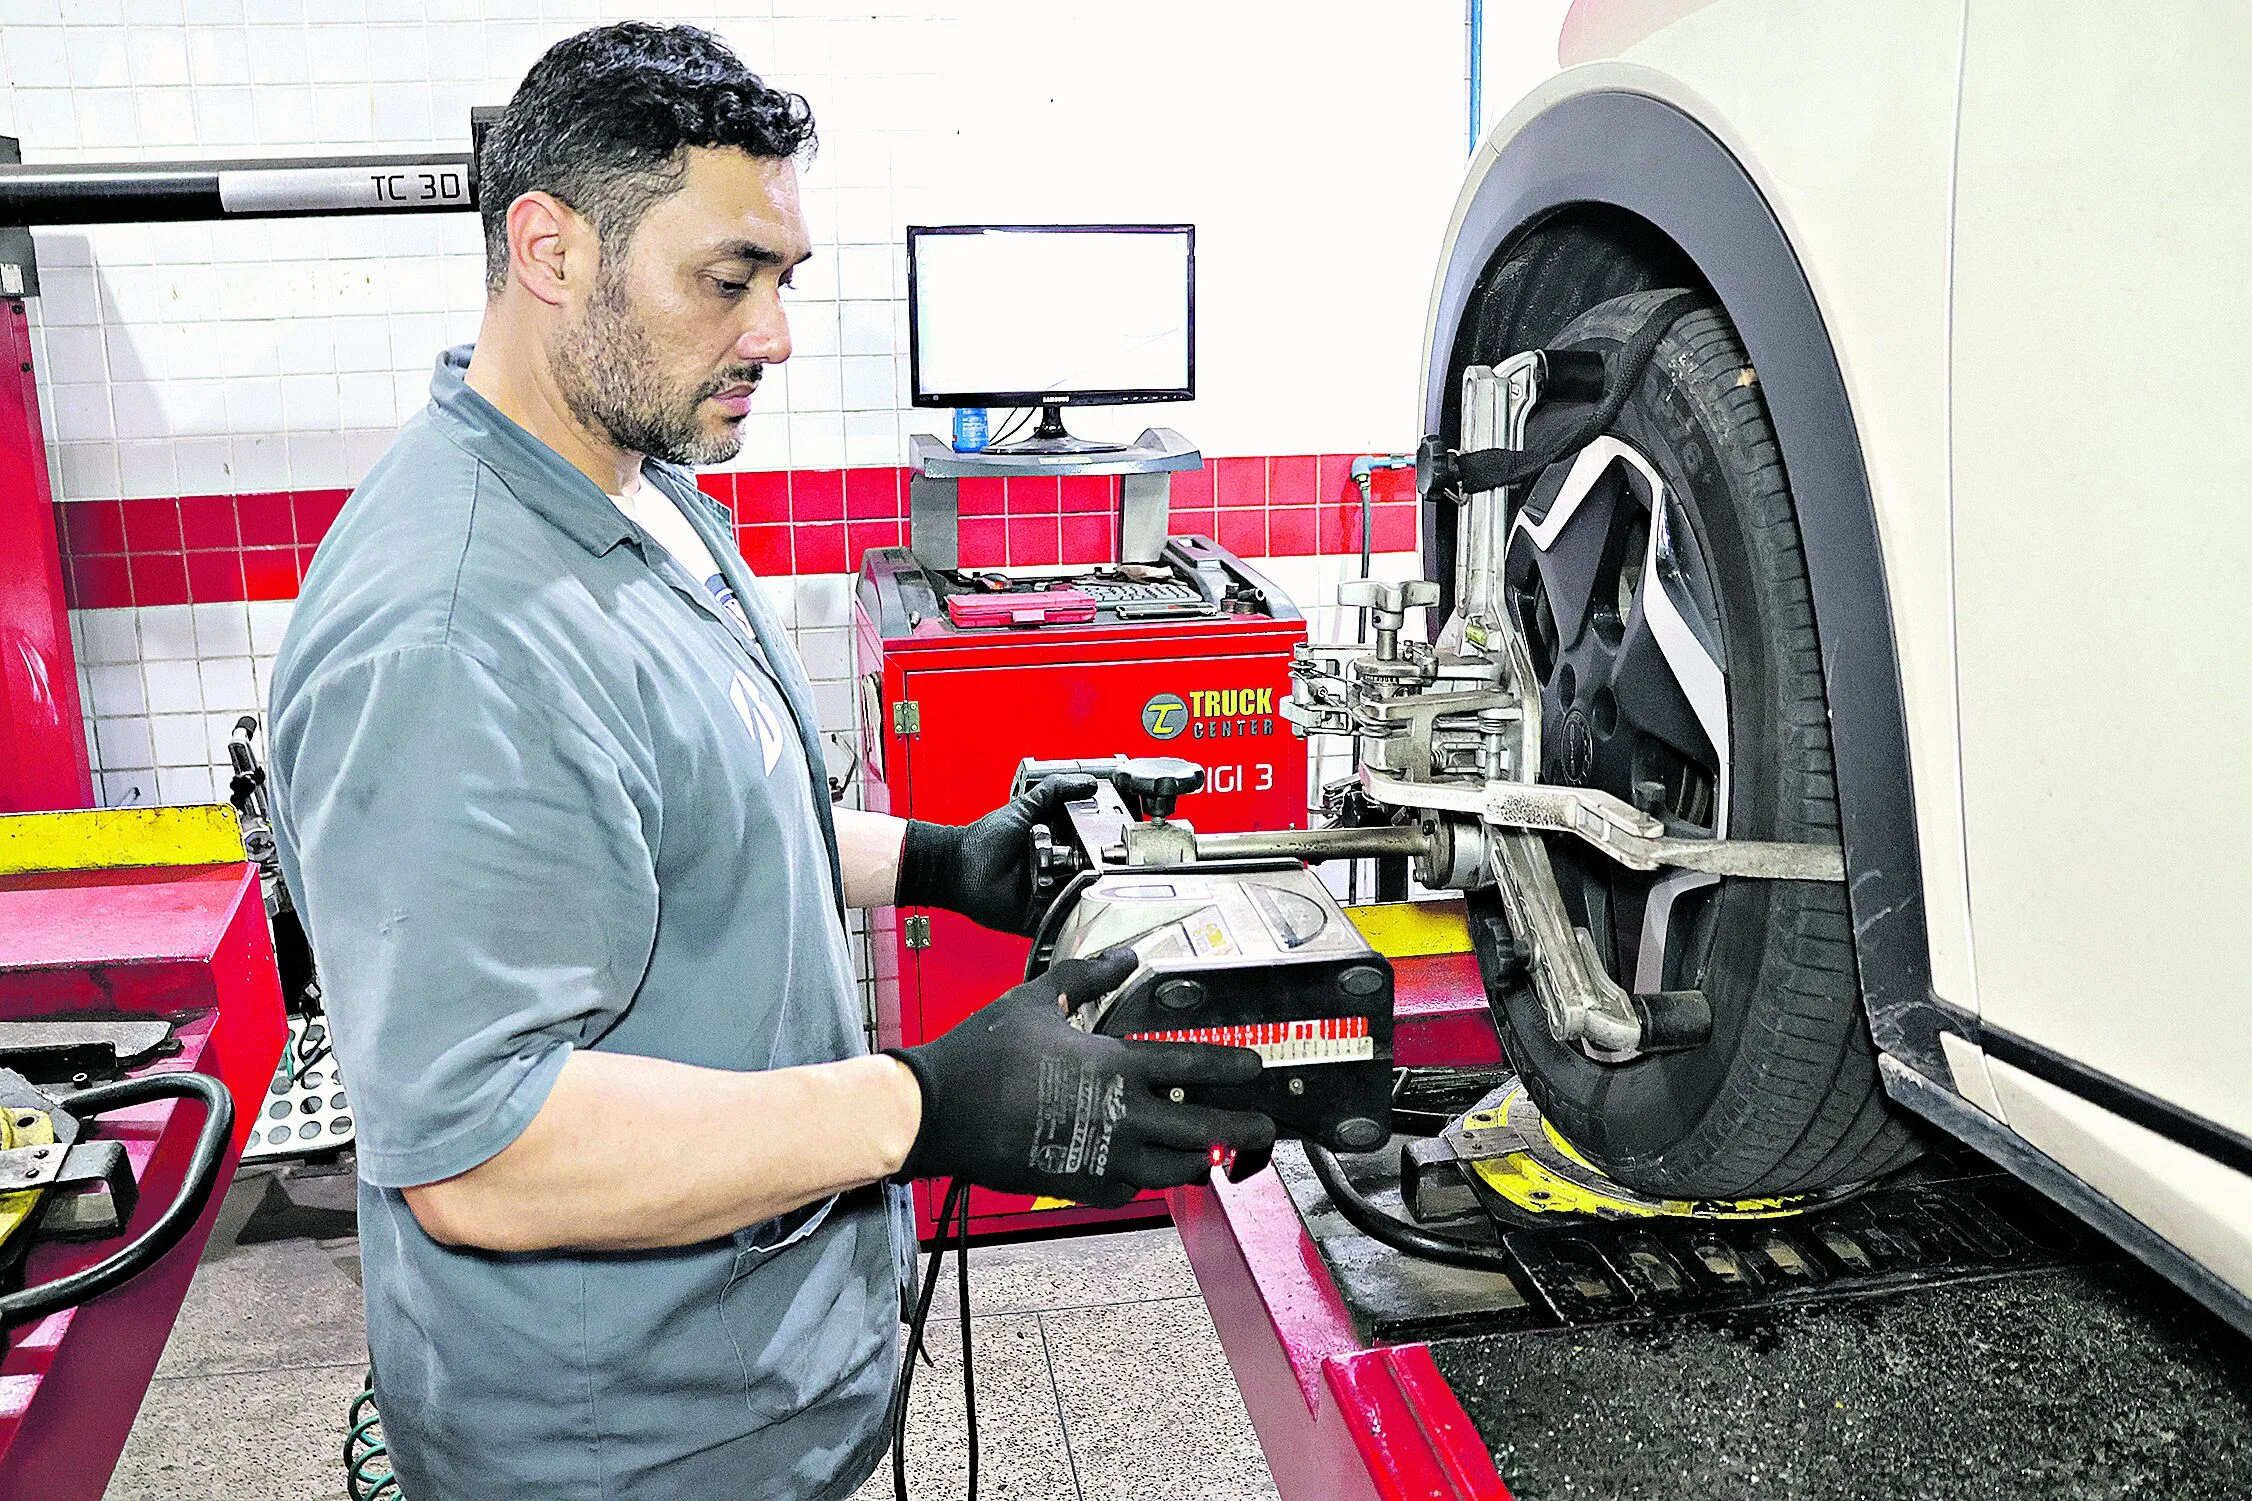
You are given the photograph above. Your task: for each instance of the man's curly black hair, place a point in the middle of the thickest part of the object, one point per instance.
(604, 119)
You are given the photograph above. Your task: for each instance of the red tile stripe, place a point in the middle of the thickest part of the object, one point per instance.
(193, 548)
(212, 548)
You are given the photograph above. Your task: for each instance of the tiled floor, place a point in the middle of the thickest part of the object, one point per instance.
(1098, 1375)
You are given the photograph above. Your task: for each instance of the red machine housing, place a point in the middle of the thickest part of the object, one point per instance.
(946, 714)
(189, 943)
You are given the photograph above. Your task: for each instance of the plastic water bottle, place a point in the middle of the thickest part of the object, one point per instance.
(969, 430)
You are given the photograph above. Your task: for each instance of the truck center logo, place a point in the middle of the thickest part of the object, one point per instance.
(1227, 703)
(1211, 714)
(1165, 716)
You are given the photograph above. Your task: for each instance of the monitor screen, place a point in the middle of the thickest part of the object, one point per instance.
(1069, 314)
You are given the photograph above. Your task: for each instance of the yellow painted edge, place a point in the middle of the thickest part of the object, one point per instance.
(1532, 1185)
(37, 1129)
(1411, 930)
(119, 838)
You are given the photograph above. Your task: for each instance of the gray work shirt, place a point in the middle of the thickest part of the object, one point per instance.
(535, 790)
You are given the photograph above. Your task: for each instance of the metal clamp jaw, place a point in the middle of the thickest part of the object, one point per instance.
(1150, 786)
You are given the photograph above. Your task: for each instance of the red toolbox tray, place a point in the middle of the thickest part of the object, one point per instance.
(1021, 607)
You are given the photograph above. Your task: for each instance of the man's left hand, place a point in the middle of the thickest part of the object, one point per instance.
(984, 870)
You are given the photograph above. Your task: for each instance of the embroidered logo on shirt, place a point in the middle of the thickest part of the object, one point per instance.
(717, 583)
(757, 717)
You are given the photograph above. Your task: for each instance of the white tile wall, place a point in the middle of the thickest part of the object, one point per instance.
(287, 352)
(163, 687)
(282, 353)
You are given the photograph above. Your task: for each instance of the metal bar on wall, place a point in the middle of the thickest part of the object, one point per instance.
(291, 187)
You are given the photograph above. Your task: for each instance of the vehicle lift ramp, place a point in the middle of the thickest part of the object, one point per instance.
(1947, 1333)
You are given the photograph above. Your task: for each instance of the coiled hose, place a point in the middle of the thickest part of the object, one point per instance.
(367, 1460)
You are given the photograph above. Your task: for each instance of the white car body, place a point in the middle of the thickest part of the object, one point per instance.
(2026, 229)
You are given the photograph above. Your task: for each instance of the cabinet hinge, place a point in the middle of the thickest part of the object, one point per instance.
(918, 932)
(906, 717)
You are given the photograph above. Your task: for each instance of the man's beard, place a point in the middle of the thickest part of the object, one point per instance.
(609, 377)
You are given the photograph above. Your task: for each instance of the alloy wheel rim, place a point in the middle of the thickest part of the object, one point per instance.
(1612, 592)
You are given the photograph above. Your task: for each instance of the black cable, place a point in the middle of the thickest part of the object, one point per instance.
(202, 1176)
(955, 1191)
(1011, 426)
(839, 786)
(962, 1296)
(309, 1057)
(1411, 1240)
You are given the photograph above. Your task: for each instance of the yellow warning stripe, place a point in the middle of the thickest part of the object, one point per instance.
(1411, 930)
(118, 838)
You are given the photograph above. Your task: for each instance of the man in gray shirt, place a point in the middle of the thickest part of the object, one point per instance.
(548, 791)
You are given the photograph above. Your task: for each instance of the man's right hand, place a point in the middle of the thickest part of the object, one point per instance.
(1017, 1099)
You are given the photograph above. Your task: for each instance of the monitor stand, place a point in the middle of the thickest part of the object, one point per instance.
(1049, 437)
(1144, 470)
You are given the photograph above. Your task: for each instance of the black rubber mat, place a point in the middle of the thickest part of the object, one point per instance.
(1950, 1334)
(2071, 1382)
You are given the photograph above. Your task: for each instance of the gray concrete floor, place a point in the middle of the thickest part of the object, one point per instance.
(1099, 1377)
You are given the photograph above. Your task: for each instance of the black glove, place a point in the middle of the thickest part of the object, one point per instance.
(984, 870)
(1017, 1099)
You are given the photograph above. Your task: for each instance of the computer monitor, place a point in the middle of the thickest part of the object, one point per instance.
(1051, 315)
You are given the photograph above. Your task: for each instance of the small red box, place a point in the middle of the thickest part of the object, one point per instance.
(1033, 607)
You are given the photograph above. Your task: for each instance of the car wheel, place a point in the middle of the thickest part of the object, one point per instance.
(1657, 578)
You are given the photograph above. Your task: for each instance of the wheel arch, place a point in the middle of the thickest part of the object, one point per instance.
(1641, 172)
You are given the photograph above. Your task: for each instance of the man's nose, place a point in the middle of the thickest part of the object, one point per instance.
(766, 340)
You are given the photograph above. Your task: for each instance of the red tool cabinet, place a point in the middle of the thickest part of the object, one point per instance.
(948, 712)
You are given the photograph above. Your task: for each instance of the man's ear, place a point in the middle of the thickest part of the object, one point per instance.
(551, 248)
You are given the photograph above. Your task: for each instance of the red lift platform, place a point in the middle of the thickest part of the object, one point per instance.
(1341, 1419)
(125, 915)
